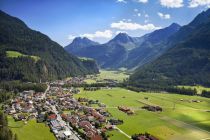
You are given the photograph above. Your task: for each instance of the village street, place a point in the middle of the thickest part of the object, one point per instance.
(67, 128)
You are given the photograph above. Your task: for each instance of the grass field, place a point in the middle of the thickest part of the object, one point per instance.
(15, 54)
(106, 74)
(198, 88)
(188, 120)
(31, 130)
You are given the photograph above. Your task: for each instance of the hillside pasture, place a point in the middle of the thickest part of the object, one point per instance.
(181, 117)
(15, 54)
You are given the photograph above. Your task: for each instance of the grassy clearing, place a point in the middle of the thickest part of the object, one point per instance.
(31, 130)
(198, 88)
(163, 125)
(105, 74)
(15, 54)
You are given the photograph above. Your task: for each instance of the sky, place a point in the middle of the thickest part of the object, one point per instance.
(101, 20)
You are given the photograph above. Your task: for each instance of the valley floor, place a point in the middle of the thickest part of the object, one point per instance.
(182, 118)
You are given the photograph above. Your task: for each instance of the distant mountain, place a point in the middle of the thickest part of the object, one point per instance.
(124, 40)
(186, 63)
(108, 55)
(126, 51)
(29, 55)
(152, 45)
(79, 43)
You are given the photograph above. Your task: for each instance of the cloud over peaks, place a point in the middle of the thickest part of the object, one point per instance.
(133, 26)
(172, 3)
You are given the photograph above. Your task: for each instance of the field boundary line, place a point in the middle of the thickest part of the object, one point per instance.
(122, 132)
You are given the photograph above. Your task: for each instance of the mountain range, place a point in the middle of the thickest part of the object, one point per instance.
(29, 55)
(123, 50)
(187, 62)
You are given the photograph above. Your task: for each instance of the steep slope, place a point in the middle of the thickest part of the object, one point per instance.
(187, 63)
(54, 62)
(78, 44)
(153, 45)
(124, 40)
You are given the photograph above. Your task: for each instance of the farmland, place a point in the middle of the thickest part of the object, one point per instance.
(181, 117)
(197, 87)
(105, 74)
(31, 130)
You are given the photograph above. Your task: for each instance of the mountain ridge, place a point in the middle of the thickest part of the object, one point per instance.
(126, 51)
(55, 62)
(186, 63)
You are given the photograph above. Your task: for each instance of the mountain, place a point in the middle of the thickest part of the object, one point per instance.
(79, 43)
(126, 51)
(29, 55)
(152, 45)
(124, 40)
(108, 55)
(186, 63)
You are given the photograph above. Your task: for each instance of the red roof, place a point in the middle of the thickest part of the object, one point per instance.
(52, 116)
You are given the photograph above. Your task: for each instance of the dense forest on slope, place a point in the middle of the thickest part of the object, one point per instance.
(54, 62)
(187, 63)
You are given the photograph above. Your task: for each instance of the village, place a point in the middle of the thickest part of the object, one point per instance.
(67, 117)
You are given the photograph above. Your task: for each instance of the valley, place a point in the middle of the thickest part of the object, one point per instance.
(180, 114)
(105, 70)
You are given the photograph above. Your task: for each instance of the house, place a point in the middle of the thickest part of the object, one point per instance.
(52, 117)
(55, 125)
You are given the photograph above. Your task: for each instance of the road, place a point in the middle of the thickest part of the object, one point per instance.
(122, 132)
(63, 123)
(60, 120)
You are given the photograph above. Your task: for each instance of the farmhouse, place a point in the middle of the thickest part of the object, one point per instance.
(126, 110)
(152, 108)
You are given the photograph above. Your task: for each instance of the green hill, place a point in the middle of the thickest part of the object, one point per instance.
(51, 60)
(187, 63)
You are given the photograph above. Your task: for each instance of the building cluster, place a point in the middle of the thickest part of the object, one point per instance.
(126, 110)
(152, 108)
(25, 105)
(67, 117)
(84, 121)
(145, 136)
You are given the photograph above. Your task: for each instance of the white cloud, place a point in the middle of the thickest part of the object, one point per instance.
(196, 3)
(133, 26)
(164, 16)
(172, 3)
(146, 15)
(142, 1)
(71, 37)
(98, 34)
(139, 14)
(135, 10)
(121, 1)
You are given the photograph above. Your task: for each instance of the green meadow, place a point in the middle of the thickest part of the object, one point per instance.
(108, 74)
(181, 117)
(197, 87)
(15, 54)
(31, 130)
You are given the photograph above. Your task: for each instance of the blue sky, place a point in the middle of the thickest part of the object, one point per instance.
(101, 20)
